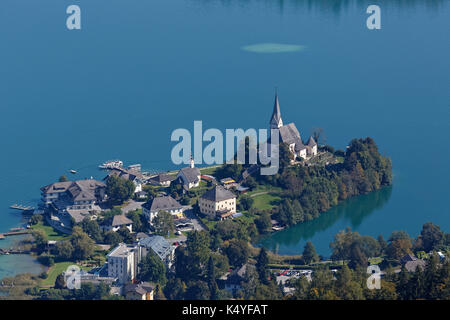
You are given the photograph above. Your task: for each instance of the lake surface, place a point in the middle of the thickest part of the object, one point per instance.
(140, 69)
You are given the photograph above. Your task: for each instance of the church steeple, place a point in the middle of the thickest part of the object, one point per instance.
(275, 121)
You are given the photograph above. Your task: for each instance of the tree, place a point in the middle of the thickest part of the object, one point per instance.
(163, 223)
(197, 290)
(431, 237)
(399, 245)
(64, 250)
(159, 294)
(262, 267)
(92, 229)
(60, 283)
(246, 202)
(35, 219)
(83, 245)
(118, 189)
(237, 252)
(309, 253)
(345, 287)
(40, 239)
(113, 238)
(152, 269)
(211, 279)
(263, 222)
(63, 178)
(175, 289)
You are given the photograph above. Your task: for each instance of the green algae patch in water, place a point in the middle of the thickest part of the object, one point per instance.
(273, 48)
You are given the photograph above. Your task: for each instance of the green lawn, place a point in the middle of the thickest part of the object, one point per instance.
(51, 233)
(266, 201)
(56, 270)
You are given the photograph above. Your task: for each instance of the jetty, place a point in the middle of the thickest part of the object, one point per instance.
(13, 233)
(21, 207)
(13, 251)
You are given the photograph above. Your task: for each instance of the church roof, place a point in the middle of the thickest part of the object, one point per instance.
(191, 174)
(311, 142)
(276, 115)
(289, 134)
(218, 193)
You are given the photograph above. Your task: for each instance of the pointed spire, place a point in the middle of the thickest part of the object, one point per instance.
(275, 121)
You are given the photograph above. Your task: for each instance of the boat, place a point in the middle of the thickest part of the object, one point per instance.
(111, 164)
(73, 171)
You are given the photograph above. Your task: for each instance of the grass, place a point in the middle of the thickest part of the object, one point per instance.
(266, 201)
(55, 270)
(51, 233)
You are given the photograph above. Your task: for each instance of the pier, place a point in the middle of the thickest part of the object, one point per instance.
(13, 251)
(13, 233)
(21, 207)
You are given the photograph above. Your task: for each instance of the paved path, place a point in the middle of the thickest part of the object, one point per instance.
(131, 206)
(259, 194)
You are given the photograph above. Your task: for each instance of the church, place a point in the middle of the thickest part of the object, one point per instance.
(290, 135)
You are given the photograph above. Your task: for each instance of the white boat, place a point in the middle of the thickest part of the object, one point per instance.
(73, 171)
(112, 164)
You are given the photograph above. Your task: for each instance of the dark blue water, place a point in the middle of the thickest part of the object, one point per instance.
(140, 69)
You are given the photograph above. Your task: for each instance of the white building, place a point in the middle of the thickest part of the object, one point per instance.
(123, 262)
(218, 202)
(151, 208)
(190, 176)
(117, 222)
(290, 135)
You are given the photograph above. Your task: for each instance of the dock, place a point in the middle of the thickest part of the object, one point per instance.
(13, 233)
(21, 207)
(13, 251)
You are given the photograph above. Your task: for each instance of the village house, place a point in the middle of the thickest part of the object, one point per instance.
(190, 176)
(162, 179)
(290, 135)
(160, 246)
(232, 280)
(123, 262)
(129, 174)
(117, 222)
(218, 202)
(229, 183)
(151, 208)
(411, 263)
(139, 291)
(77, 195)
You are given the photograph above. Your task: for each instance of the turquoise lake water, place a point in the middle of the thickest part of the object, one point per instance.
(140, 69)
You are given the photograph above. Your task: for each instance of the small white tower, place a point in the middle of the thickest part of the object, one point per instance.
(191, 162)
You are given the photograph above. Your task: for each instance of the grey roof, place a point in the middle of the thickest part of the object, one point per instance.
(192, 174)
(411, 266)
(127, 174)
(311, 142)
(276, 114)
(120, 220)
(57, 187)
(162, 204)
(289, 134)
(218, 193)
(140, 288)
(158, 244)
(162, 177)
(407, 258)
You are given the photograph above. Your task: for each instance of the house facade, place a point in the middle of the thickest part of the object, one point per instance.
(151, 208)
(123, 262)
(218, 202)
(190, 176)
(117, 222)
(74, 195)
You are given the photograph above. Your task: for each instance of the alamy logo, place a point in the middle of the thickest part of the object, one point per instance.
(72, 277)
(260, 147)
(374, 281)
